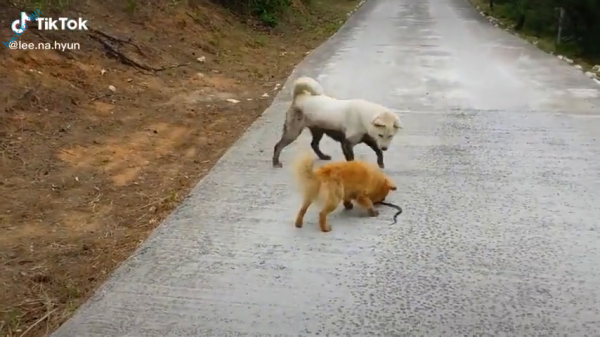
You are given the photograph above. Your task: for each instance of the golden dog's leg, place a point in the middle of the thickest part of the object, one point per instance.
(329, 207)
(300, 217)
(365, 202)
(348, 204)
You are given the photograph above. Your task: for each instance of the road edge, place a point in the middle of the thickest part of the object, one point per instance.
(283, 96)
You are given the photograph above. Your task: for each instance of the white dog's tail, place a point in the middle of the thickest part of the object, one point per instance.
(306, 85)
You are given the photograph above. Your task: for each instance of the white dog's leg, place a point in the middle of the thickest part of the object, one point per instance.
(291, 131)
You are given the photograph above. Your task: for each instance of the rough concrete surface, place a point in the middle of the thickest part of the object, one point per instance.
(499, 175)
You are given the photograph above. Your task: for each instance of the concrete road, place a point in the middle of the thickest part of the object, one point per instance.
(499, 175)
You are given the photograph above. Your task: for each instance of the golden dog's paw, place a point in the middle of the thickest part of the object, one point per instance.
(325, 228)
(373, 212)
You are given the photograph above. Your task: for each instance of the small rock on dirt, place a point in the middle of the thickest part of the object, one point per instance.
(103, 71)
(265, 95)
(201, 59)
(231, 100)
(112, 88)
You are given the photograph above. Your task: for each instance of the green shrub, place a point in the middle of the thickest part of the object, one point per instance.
(580, 28)
(267, 11)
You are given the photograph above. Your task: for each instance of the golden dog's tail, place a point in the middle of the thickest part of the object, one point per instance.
(306, 85)
(323, 188)
(303, 169)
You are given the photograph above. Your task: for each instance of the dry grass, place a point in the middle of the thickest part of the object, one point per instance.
(87, 173)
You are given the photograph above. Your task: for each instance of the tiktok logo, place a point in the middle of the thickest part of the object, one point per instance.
(19, 26)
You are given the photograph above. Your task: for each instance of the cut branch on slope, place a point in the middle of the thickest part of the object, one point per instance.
(113, 49)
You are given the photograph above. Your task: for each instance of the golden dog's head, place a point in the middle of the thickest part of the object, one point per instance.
(380, 193)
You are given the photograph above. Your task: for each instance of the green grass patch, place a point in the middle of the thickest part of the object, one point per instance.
(540, 27)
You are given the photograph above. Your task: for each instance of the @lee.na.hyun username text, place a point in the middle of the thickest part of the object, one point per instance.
(42, 45)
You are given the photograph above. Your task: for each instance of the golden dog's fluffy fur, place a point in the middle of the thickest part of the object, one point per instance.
(339, 182)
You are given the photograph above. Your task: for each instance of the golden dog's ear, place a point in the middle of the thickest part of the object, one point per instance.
(391, 185)
(378, 122)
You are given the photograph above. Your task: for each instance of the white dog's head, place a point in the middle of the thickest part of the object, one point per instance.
(383, 128)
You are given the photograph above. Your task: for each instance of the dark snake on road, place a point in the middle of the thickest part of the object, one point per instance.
(392, 206)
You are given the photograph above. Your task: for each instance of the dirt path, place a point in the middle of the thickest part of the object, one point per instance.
(94, 152)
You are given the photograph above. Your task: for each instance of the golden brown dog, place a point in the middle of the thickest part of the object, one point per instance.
(336, 182)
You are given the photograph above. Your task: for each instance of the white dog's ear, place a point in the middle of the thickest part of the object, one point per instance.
(377, 122)
(398, 123)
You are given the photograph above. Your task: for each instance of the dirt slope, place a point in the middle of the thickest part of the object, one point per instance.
(87, 172)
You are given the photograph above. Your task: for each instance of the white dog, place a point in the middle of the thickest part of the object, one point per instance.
(348, 121)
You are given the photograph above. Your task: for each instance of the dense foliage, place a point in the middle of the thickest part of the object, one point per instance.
(580, 32)
(268, 11)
